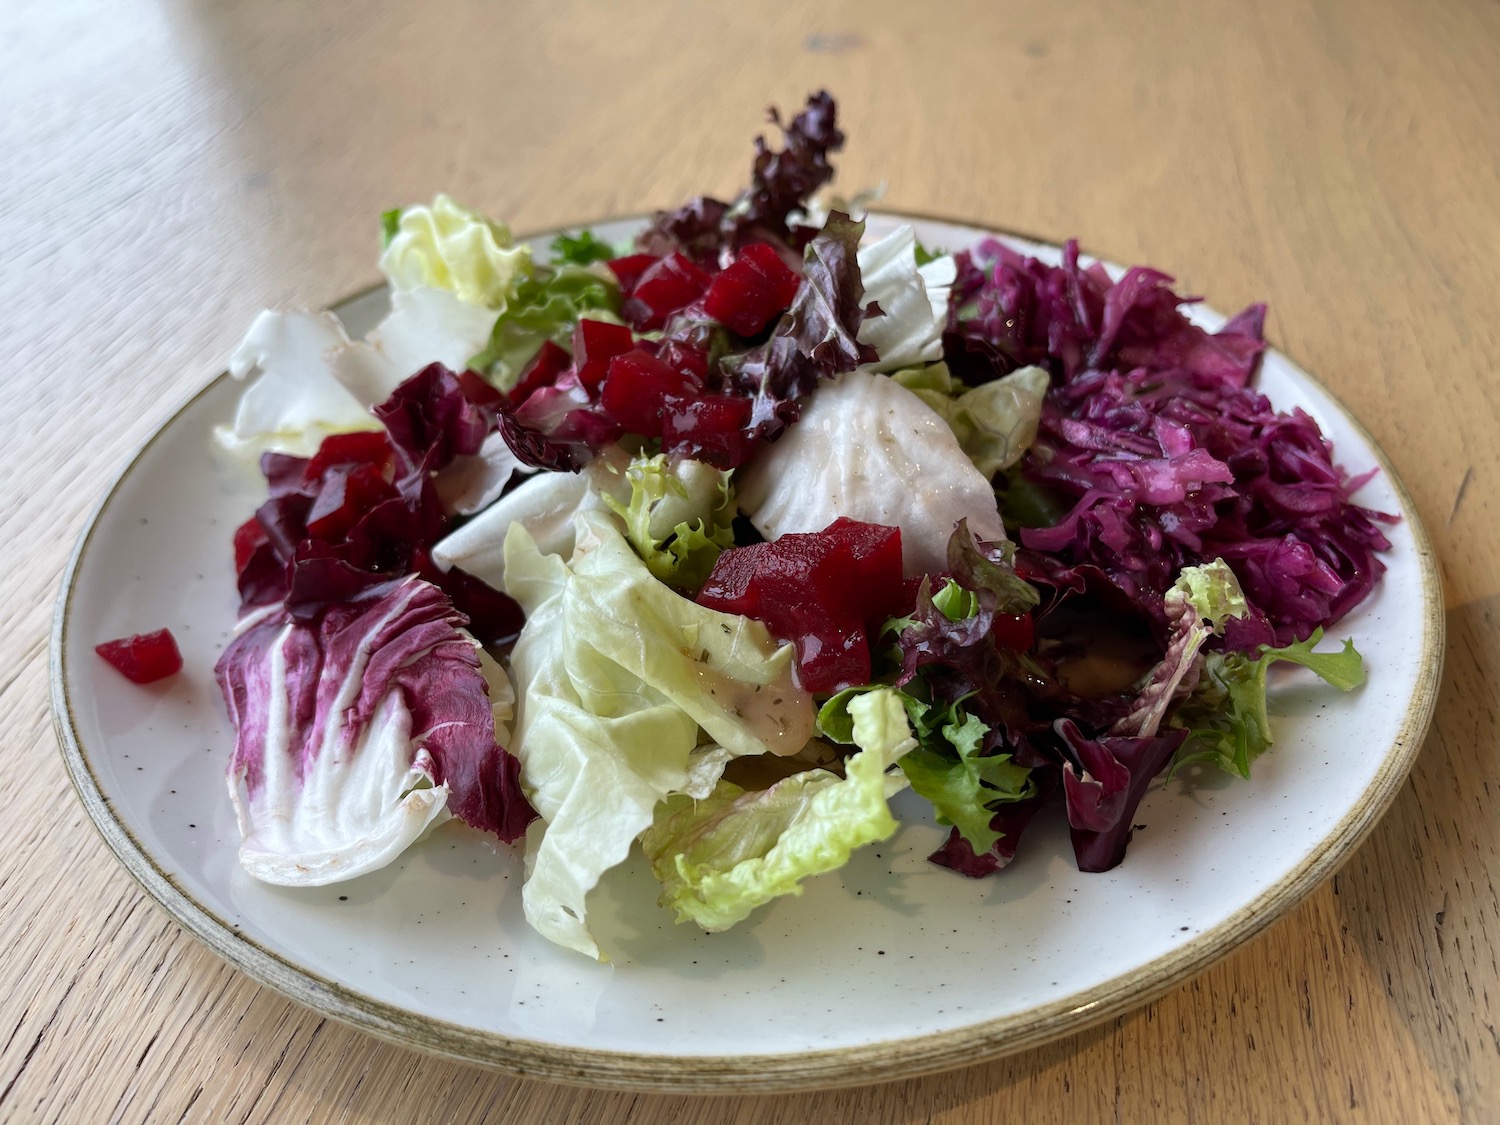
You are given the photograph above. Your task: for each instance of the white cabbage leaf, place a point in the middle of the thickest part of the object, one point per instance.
(869, 449)
(913, 299)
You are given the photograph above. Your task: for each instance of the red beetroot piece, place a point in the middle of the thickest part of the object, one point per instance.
(827, 592)
(668, 285)
(145, 657)
(752, 290)
(628, 270)
(345, 495)
(640, 388)
(595, 343)
(708, 428)
(247, 537)
(544, 370)
(684, 355)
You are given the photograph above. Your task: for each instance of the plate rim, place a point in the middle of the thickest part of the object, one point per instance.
(860, 1064)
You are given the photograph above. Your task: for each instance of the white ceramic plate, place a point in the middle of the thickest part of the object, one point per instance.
(891, 967)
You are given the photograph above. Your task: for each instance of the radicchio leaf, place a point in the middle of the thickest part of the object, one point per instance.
(364, 510)
(346, 727)
(1105, 786)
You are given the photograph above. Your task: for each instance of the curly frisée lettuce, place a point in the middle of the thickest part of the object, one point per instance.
(1225, 716)
(684, 556)
(625, 687)
(720, 857)
(949, 768)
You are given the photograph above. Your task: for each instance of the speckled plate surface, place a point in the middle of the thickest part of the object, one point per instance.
(888, 968)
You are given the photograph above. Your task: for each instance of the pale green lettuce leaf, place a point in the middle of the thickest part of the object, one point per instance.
(676, 525)
(720, 858)
(447, 246)
(620, 681)
(996, 422)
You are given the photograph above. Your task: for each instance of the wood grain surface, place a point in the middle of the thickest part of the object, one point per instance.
(168, 168)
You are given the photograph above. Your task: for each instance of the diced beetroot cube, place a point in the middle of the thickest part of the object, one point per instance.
(835, 658)
(752, 290)
(545, 368)
(247, 537)
(684, 356)
(365, 447)
(145, 657)
(595, 343)
(826, 592)
(1014, 631)
(639, 388)
(872, 583)
(628, 270)
(668, 285)
(732, 585)
(346, 495)
(709, 428)
(479, 390)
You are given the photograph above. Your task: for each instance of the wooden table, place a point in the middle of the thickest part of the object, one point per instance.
(166, 169)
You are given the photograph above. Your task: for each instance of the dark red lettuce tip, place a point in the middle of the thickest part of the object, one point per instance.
(1103, 786)
(782, 182)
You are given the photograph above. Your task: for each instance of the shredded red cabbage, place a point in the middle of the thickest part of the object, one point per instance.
(1167, 457)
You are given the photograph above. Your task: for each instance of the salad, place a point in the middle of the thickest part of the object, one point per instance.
(712, 543)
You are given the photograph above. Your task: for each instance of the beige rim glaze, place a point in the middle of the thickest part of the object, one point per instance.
(848, 1066)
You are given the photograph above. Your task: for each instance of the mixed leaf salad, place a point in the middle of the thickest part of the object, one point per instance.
(714, 542)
